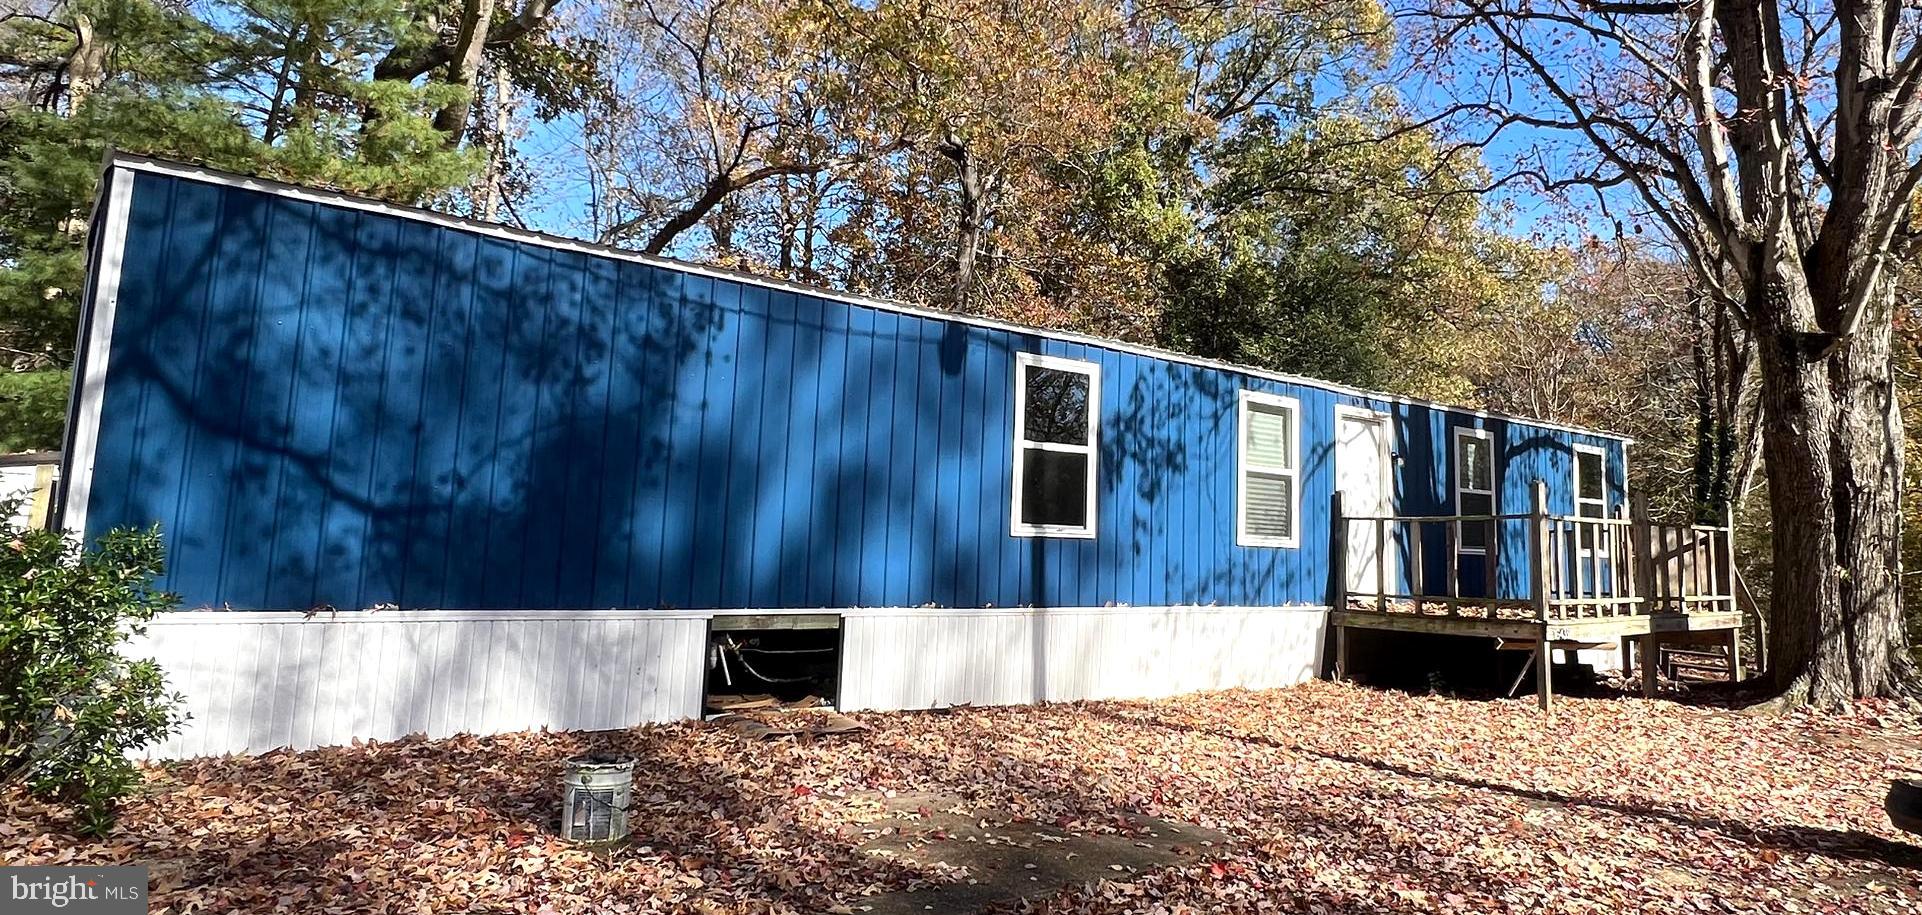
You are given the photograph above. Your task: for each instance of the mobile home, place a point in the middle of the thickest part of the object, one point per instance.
(423, 474)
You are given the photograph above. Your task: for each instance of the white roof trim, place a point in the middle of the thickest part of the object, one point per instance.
(334, 198)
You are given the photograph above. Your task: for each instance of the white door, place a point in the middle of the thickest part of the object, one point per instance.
(1362, 476)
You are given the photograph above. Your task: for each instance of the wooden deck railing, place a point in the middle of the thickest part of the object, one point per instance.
(1577, 567)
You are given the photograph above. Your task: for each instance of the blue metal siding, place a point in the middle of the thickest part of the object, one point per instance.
(326, 406)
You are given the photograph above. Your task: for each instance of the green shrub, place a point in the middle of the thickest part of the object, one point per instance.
(72, 707)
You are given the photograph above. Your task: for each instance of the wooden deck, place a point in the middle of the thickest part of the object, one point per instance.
(1519, 625)
(1583, 582)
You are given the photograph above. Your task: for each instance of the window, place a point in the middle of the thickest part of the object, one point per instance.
(1055, 405)
(1474, 486)
(1591, 489)
(1269, 493)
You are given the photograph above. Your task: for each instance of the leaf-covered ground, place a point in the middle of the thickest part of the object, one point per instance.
(1336, 799)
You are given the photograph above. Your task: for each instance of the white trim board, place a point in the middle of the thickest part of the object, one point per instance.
(90, 383)
(119, 160)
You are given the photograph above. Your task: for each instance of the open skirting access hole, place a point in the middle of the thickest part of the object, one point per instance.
(772, 661)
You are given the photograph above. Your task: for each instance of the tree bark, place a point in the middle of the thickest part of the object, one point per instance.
(1868, 490)
(1834, 461)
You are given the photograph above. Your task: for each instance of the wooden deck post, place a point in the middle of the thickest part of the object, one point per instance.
(1338, 579)
(1337, 554)
(1416, 572)
(1642, 552)
(1544, 672)
(1651, 653)
(1540, 557)
(1491, 571)
(1726, 586)
(1341, 654)
(1452, 549)
(1538, 584)
(1651, 658)
(1735, 655)
(1642, 545)
(1381, 565)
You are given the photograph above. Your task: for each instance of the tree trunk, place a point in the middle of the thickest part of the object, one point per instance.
(1722, 354)
(87, 65)
(720, 226)
(1868, 491)
(493, 178)
(968, 230)
(969, 222)
(277, 107)
(477, 16)
(301, 115)
(1834, 461)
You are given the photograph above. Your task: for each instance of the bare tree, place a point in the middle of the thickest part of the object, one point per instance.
(1775, 142)
(722, 97)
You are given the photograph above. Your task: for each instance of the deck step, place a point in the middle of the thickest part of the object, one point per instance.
(1701, 665)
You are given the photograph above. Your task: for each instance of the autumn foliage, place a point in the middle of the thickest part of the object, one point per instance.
(1335, 799)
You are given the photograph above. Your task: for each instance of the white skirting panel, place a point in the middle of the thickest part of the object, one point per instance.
(256, 681)
(928, 658)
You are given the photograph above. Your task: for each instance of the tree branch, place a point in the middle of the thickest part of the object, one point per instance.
(413, 63)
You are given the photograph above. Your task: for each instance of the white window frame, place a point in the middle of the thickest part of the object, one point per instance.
(1575, 471)
(1023, 362)
(1493, 492)
(1243, 468)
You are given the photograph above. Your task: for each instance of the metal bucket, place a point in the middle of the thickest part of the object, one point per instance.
(595, 791)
